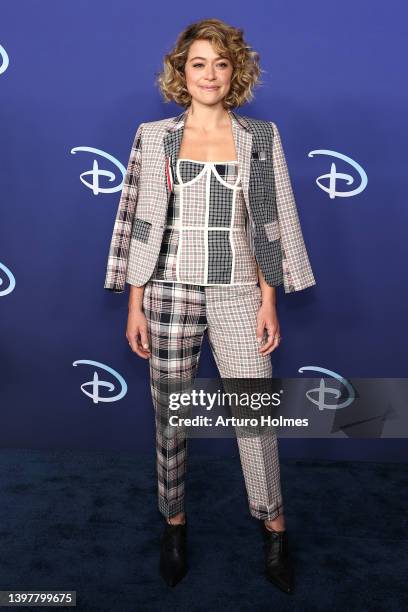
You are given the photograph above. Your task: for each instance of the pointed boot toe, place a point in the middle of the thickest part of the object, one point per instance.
(278, 565)
(173, 553)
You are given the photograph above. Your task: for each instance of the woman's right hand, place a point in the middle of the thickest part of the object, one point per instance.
(136, 333)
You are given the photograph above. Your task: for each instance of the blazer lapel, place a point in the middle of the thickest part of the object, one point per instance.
(171, 144)
(243, 146)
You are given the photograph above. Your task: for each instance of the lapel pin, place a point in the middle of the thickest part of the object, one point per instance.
(259, 155)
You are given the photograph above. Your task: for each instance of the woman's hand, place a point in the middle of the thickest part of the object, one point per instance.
(267, 318)
(136, 332)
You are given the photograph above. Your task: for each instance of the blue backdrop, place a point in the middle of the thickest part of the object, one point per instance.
(76, 79)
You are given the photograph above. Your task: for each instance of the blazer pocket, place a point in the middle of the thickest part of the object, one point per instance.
(272, 230)
(141, 229)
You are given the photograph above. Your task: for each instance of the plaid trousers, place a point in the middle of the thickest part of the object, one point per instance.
(178, 315)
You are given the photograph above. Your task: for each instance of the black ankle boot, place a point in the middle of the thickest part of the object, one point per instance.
(278, 566)
(173, 553)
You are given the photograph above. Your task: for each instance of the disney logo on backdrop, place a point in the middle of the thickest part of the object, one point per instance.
(319, 394)
(333, 176)
(4, 60)
(10, 278)
(96, 384)
(97, 172)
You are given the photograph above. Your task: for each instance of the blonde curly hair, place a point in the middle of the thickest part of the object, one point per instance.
(228, 41)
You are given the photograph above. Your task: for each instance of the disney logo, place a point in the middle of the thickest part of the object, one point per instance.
(11, 280)
(322, 390)
(95, 384)
(96, 172)
(4, 60)
(333, 175)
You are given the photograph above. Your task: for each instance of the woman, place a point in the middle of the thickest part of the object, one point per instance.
(205, 231)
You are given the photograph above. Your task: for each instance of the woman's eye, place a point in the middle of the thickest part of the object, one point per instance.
(222, 64)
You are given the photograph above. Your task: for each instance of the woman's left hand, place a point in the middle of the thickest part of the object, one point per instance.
(267, 318)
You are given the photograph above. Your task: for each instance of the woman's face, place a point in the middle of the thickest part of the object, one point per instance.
(208, 76)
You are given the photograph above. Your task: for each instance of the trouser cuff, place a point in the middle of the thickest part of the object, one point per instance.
(171, 509)
(265, 513)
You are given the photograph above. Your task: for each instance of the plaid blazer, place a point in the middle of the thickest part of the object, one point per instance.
(274, 231)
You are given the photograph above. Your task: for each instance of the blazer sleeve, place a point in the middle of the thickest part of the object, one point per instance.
(297, 271)
(122, 229)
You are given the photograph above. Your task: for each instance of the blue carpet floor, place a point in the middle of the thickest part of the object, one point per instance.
(89, 522)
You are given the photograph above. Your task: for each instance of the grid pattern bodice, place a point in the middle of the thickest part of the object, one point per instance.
(205, 240)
